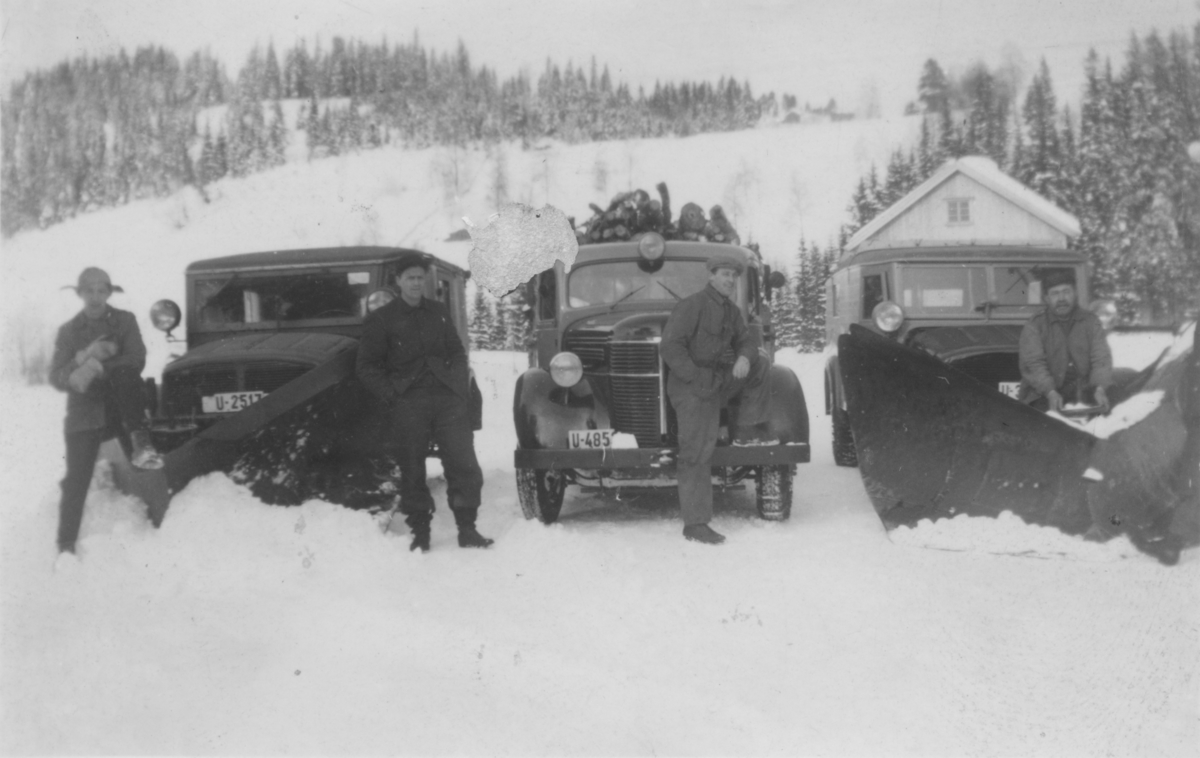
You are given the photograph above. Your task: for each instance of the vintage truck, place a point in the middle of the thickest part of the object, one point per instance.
(593, 409)
(266, 387)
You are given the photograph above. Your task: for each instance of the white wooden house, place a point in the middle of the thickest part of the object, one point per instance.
(968, 201)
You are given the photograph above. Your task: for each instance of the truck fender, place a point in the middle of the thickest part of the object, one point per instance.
(788, 410)
(543, 412)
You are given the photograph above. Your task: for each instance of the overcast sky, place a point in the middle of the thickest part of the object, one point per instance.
(814, 49)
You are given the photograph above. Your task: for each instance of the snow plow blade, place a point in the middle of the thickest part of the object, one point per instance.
(934, 443)
(220, 446)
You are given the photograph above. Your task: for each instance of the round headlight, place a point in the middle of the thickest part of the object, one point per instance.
(379, 298)
(165, 315)
(888, 316)
(566, 369)
(651, 246)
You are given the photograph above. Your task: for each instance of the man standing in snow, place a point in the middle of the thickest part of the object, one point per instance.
(411, 357)
(713, 358)
(98, 360)
(1064, 354)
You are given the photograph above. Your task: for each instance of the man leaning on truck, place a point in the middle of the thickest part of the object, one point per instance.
(411, 357)
(713, 358)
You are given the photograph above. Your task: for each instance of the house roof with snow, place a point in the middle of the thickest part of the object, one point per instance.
(968, 201)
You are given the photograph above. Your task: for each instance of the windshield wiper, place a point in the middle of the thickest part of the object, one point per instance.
(625, 297)
(668, 289)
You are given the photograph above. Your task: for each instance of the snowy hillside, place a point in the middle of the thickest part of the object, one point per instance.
(775, 184)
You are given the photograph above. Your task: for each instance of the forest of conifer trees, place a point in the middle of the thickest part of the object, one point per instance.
(94, 133)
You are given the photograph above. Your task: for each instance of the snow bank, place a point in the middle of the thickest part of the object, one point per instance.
(1007, 534)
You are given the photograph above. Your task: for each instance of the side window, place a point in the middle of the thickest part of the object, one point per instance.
(752, 282)
(547, 295)
(872, 293)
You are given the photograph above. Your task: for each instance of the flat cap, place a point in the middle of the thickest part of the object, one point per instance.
(733, 260)
(413, 260)
(1054, 277)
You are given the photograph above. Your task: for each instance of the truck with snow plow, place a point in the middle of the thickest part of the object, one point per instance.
(592, 409)
(921, 382)
(266, 387)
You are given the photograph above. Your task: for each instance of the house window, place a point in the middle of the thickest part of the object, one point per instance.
(959, 210)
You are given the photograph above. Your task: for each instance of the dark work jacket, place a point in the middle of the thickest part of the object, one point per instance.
(87, 410)
(1049, 344)
(401, 343)
(705, 333)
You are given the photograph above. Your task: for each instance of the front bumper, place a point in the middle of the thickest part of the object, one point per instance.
(609, 459)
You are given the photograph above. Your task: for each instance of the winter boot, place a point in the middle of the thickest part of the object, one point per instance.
(419, 524)
(467, 534)
(144, 454)
(703, 533)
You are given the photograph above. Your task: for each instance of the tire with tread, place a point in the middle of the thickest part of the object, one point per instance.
(844, 452)
(774, 492)
(541, 493)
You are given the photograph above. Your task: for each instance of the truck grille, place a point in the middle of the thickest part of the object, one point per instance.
(636, 391)
(589, 346)
(182, 390)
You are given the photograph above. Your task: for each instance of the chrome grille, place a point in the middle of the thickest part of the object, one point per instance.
(589, 346)
(634, 358)
(637, 406)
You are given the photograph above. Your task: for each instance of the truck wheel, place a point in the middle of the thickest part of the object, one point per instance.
(541, 493)
(775, 492)
(844, 453)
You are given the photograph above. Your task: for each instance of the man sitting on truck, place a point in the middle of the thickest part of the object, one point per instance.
(411, 357)
(1064, 354)
(713, 358)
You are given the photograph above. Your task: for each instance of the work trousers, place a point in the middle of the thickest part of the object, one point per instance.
(699, 424)
(125, 412)
(437, 414)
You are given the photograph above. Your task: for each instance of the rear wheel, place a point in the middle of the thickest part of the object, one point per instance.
(541, 493)
(844, 453)
(775, 492)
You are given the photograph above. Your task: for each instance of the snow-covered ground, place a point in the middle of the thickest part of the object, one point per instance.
(243, 628)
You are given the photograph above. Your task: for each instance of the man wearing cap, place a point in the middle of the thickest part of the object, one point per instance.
(713, 358)
(1064, 354)
(98, 360)
(412, 358)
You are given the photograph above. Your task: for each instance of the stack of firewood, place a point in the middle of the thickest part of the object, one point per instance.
(633, 213)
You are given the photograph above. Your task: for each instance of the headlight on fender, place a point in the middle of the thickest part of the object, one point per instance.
(888, 316)
(165, 315)
(566, 369)
(379, 298)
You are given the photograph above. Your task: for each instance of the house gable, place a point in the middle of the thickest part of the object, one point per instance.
(968, 201)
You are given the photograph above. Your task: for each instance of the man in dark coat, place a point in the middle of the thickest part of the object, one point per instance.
(411, 357)
(713, 358)
(98, 360)
(1063, 352)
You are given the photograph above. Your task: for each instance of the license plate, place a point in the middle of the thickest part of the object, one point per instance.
(589, 438)
(229, 402)
(1010, 388)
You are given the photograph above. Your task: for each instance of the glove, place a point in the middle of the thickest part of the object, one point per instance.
(1102, 399)
(82, 377)
(101, 349)
(1055, 400)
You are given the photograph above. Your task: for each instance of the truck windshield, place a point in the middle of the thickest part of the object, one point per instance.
(623, 281)
(938, 290)
(281, 297)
